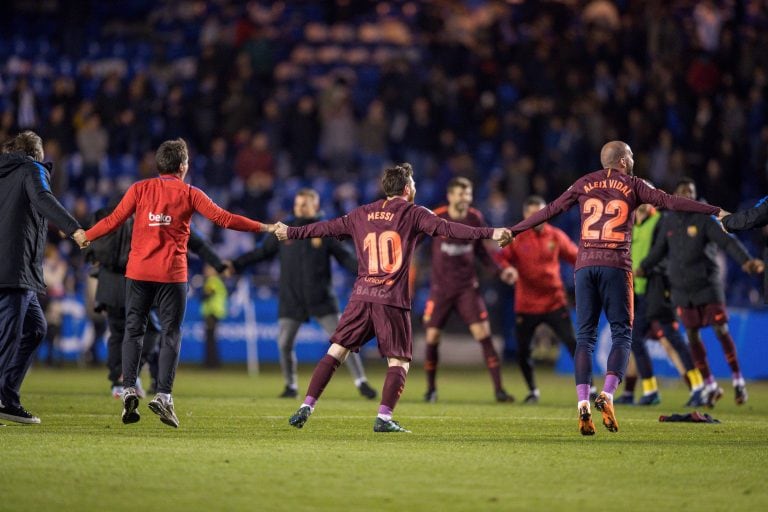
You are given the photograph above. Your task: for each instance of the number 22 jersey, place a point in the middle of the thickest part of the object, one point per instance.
(607, 201)
(385, 233)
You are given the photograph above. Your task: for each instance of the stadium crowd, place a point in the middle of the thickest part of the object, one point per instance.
(275, 96)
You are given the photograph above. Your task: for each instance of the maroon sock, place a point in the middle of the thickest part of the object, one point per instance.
(699, 354)
(394, 383)
(321, 377)
(629, 384)
(430, 366)
(491, 361)
(729, 347)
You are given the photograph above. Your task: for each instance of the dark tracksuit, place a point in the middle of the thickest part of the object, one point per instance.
(305, 290)
(26, 206)
(690, 241)
(755, 217)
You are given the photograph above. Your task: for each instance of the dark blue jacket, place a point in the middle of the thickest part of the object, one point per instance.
(26, 206)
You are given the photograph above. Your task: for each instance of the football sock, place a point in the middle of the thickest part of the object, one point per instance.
(729, 347)
(695, 379)
(430, 365)
(699, 354)
(650, 386)
(320, 378)
(583, 403)
(611, 383)
(582, 392)
(629, 384)
(738, 379)
(491, 361)
(710, 382)
(394, 383)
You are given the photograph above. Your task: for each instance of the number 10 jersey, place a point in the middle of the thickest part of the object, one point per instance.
(385, 233)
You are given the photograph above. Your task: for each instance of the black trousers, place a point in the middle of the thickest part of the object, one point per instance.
(22, 328)
(560, 322)
(171, 302)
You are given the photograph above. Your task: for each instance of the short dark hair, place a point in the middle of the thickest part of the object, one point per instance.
(27, 142)
(685, 180)
(534, 200)
(170, 155)
(458, 182)
(308, 192)
(396, 178)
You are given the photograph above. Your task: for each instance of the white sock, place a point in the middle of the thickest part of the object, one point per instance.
(166, 397)
(608, 395)
(739, 382)
(385, 417)
(583, 403)
(358, 382)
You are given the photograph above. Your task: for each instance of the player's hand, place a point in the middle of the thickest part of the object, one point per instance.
(639, 272)
(753, 266)
(509, 275)
(281, 231)
(229, 271)
(723, 214)
(79, 237)
(503, 236)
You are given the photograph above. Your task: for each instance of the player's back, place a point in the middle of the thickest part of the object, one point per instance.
(607, 202)
(160, 230)
(385, 233)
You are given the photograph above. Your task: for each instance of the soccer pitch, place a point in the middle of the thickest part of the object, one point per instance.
(236, 451)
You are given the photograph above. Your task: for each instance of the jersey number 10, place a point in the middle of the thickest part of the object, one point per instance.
(385, 253)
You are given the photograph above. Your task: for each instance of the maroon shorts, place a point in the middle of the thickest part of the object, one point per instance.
(468, 303)
(703, 316)
(391, 325)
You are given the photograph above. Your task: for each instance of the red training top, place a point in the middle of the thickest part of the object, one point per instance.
(385, 233)
(164, 207)
(537, 255)
(607, 200)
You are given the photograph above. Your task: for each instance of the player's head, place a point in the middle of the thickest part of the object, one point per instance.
(686, 188)
(459, 193)
(617, 155)
(306, 204)
(398, 181)
(532, 204)
(173, 157)
(27, 142)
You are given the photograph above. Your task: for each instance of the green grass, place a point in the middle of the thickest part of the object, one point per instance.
(235, 450)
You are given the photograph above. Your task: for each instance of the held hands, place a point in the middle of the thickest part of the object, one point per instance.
(280, 231)
(229, 271)
(722, 214)
(509, 276)
(79, 237)
(503, 236)
(753, 266)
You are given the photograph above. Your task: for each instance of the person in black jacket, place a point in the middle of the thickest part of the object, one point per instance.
(111, 253)
(305, 288)
(755, 217)
(690, 242)
(26, 206)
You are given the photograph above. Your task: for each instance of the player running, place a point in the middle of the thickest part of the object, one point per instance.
(385, 233)
(607, 200)
(690, 242)
(454, 286)
(157, 267)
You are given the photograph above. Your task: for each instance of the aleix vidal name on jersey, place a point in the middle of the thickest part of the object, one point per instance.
(455, 249)
(159, 219)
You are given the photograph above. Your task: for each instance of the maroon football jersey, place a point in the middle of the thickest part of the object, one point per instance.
(385, 233)
(453, 260)
(607, 200)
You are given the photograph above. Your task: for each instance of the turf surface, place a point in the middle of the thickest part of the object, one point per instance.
(235, 450)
